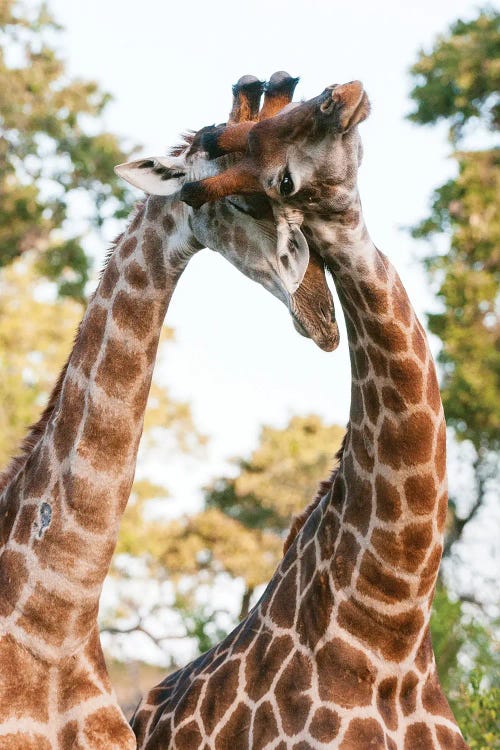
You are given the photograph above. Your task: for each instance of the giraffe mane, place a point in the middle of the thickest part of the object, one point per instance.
(37, 429)
(35, 432)
(324, 488)
(187, 141)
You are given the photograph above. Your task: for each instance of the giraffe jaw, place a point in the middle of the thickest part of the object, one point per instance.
(327, 339)
(312, 308)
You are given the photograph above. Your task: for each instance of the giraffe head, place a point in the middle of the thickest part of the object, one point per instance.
(243, 230)
(305, 159)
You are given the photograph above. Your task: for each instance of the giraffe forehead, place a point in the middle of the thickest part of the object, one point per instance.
(303, 163)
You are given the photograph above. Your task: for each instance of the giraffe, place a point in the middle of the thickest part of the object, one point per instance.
(62, 498)
(337, 652)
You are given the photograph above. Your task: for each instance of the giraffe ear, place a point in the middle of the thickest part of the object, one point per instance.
(351, 103)
(292, 252)
(160, 175)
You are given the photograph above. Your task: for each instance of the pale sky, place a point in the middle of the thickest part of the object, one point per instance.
(170, 66)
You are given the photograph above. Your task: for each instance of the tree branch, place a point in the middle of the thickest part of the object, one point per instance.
(459, 523)
(140, 628)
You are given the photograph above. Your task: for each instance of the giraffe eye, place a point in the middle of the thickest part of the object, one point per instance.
(286, 184)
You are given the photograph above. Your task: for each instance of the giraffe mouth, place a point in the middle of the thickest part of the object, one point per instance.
(325, 336)
(256, 206)
(312, 308)
(299, 327)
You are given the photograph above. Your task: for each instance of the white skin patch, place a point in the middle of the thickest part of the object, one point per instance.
(45, 519)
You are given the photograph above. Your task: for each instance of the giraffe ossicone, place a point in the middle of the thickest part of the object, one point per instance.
(337, 652)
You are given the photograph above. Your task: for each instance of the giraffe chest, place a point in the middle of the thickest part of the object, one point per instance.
(277, 695)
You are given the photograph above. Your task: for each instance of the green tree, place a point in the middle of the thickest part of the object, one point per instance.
(478, 713)
(462, 643)
(35, 338)
(277, 481)
(52, 149)
(468, 661)
(458, 81)
(281, 475)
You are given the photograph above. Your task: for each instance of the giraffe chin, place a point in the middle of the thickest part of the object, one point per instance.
(312, 307)
(327, 338)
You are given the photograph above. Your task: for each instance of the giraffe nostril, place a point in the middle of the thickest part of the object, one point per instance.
(325, 313)
(285, 262)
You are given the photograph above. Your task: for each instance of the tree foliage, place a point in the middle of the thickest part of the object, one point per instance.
(212, 542)
(35, 338)
(53, 151)
(462, 643)
(281, 475)
(468, 663)
(478, 712)
(458, 80)
(468, 275)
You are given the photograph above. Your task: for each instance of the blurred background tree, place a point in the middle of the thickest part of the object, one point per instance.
(30, 355)
(468, 662)
(457, 82)
(53, 150)
(241, 529)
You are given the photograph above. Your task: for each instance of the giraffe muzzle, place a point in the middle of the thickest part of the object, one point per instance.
(312, 307)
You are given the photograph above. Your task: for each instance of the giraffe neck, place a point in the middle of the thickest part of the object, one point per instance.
(388, 503)
(337, 651)
(62, 509)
